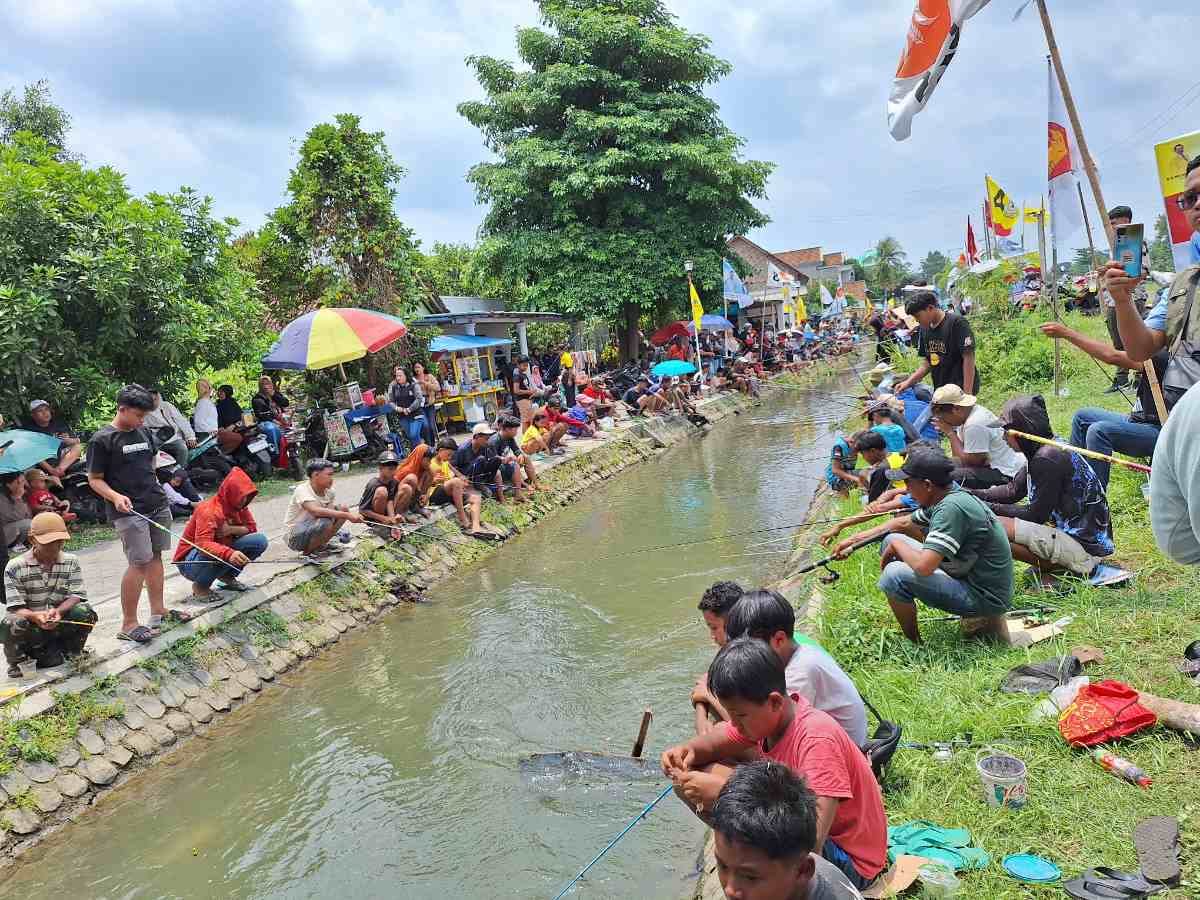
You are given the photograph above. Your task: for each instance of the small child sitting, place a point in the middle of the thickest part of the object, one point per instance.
(174, 487)
(843, 457)
(39, 499)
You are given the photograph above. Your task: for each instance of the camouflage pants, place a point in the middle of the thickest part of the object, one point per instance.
(23, 638)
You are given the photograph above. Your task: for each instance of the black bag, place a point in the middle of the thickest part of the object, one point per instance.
(882, 745)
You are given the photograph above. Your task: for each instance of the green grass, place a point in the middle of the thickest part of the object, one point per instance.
(88, 534)
(1078, 814)
(42, 737)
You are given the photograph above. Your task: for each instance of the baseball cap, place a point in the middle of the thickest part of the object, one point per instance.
(47, 527)
(926, 464)
(37, 404)
(952, 395)
(482, 428)
(387, 458)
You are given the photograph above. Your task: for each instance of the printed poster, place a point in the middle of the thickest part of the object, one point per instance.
(1172, 157)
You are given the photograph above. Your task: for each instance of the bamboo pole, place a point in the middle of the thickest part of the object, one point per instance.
(1089, 167)
(1137, 467)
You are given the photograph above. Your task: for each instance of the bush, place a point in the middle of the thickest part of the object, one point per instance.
(1015, 357)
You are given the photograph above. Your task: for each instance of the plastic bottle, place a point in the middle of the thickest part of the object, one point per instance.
(1122, 768)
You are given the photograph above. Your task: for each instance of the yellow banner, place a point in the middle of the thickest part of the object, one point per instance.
(697, 309)
(1002, 211)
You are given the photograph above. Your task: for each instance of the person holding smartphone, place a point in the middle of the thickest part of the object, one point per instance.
(1119, 217)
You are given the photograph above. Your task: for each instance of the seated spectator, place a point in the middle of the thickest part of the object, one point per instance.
(177, 490)
(39, 498)
(313, 515)
(166, 415)
(578, 427)
(384, 499)
(809, 671)
(270, 408)
(15, 516)
(748, 678)
(675, 395)
(229, 411)
(604, 400)
(42, 420)
(1174, 487)
(46, 610)
(639, 399)
(951, 554)
(516, 468)
(1061, 489)
(982, 456)
(1103, 430)
(415, 475)
(204, 416)
(479, 462)
(224, 530)
(542, 437)
(764, 831)
(449, 485)
(714, 606)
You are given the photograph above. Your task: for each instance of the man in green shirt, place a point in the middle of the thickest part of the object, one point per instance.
(951, 554)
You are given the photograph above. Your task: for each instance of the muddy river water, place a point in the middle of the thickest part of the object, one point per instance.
(388, 768)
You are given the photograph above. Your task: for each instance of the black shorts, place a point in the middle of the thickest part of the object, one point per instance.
(439, 497)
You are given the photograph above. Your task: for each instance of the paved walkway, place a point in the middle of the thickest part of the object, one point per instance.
(104, 564)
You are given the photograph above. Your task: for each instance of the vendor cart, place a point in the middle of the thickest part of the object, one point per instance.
(474, 394)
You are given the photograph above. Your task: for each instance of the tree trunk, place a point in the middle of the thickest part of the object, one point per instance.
(630, 347)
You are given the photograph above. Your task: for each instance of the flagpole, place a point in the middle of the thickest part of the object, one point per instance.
(1087, 224)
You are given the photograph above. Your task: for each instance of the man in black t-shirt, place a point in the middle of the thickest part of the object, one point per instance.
(515, 466)
(476, 459)
(384, 499)
(522, 392)
(946, 344)
(121, 470)
(43, 421)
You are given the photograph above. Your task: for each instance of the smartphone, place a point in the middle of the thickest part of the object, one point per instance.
(1129, 248)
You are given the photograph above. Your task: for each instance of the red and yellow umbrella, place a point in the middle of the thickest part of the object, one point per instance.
(330, 337)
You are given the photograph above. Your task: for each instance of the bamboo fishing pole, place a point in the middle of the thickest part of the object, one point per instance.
(1137, 467)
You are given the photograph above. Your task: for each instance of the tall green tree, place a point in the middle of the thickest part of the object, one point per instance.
(453, 270)
(1085, 261)
(1161, 258)
(338, 242)
(98, 287)
(888, 268)
(934, 263)
(35, 112)
(612, 165)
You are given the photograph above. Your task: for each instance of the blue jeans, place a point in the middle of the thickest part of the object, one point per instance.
(840, 858)
(200, 568)
(901, 584)
(274, 434)
(430, 423)
(412, 427)
(1105, 431)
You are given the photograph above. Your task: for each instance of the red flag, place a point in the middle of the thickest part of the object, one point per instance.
(972, 248)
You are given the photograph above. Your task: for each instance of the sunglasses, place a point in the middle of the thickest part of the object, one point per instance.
(1187, 200)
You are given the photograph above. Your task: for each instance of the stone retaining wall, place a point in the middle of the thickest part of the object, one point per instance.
(128, 721)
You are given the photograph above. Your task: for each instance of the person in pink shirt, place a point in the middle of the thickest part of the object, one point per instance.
(748, 678)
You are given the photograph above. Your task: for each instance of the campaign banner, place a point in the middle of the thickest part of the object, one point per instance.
(1172, 157)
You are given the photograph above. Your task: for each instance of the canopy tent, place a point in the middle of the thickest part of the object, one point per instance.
(458, 343)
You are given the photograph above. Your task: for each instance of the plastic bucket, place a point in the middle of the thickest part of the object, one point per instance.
(1003, 777)
(938, 882)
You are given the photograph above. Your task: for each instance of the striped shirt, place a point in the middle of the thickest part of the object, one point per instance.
(974, 548)
(28, 586)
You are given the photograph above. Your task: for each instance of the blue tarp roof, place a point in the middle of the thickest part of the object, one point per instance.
(454, 343)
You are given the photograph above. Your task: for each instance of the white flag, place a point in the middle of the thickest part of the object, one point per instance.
(1063, 168)
(932, 41)
(826, 298)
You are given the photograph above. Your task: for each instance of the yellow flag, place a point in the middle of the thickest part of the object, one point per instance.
(1032, 215)
(1002, 212)
(697, 309)
(801, 312)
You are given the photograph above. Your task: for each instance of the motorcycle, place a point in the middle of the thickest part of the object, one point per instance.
(251, 451)
(85, 503)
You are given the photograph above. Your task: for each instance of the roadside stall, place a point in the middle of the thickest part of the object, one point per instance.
(473, 394)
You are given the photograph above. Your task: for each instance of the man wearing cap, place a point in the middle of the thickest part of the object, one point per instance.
(640, 399)
(477, 460)
(1118, 217)
(46, 610)
(951, 554)
(383, 494)
(982, 456)
(41, 419)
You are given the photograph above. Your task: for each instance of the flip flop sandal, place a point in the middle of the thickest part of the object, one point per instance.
(485, 536)
(1092, 886)
(139, 635)
(1157, 842)
(178, 615)
(1133, 880)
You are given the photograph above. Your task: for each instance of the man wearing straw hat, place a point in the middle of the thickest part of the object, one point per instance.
(47, 617)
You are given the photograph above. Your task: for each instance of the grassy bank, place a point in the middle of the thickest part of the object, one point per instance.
(1078, 815)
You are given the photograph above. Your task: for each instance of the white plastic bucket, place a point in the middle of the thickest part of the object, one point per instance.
(1003, 777)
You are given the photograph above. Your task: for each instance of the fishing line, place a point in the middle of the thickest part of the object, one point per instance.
(645, 812)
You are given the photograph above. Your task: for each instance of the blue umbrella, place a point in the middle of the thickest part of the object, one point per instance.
(27, 449)
(673, 367)
(710, 322)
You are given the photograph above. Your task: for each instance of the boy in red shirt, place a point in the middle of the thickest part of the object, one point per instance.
(39, 499)
(748, 678)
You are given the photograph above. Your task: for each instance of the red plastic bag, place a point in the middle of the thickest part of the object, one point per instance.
(1103, 712)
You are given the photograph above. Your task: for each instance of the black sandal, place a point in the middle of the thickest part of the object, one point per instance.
(1157, 842)
(139, 635)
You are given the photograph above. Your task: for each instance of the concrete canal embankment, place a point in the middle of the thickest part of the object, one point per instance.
(132, 713)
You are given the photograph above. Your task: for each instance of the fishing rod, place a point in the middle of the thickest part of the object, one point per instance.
(1137, 467)
(214, 558)
(832, 575)
(645, 812)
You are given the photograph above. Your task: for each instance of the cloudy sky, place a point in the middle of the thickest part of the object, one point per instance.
(216, 95)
